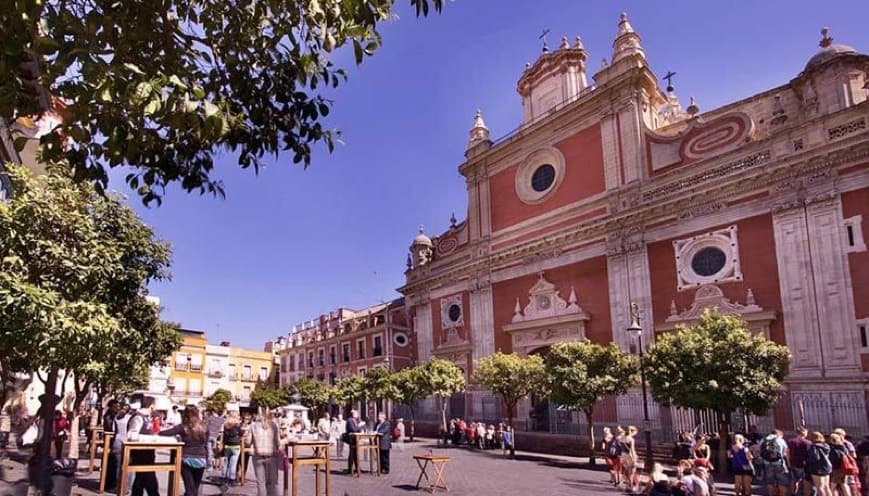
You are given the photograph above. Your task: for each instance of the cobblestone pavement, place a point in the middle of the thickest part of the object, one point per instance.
(468, 473)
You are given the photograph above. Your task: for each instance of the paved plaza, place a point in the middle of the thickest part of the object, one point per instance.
(468, 473)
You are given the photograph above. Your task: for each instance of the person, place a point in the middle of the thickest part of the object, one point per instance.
(156, 420)
(862, 450)
(481, 435)
(658, 483)
(742, 466)
(508, 439)
(231, 447)
(120, 430)
(324, 427)
(839, 480)
(628, 457)
(684, 447)
(194, 455)
(384, 433)
(214, 427)
(798, 451)
(853, 468)
(352, 427)
(400, 430)
(264, 438)
(139, 423)
(173, 417)
(112, 409)
(60, 432)
(700, 449)
(773, 452)
(610, 454)
(339, 427)
(818, 465)
(490, 437)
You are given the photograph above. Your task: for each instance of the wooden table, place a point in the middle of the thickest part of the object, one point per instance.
(438, 463)
(108, 437)
(372, 447)
(95, 436)
(318, 458)
(174, 467)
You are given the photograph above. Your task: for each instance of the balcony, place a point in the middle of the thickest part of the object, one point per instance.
(215, 373)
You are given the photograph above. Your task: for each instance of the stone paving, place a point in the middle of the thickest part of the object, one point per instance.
(468, 473)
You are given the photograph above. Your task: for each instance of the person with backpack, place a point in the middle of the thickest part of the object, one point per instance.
(773, 453)
(819, 466)
(843, 464)
(139, 423)
(610, 455)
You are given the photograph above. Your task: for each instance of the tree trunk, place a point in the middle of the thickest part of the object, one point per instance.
(443, 414)
(412, 419)
(591, 442)
(724, 435)
(43, 451)
(510, 409)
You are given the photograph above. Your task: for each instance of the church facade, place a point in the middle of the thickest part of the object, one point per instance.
(611, 194)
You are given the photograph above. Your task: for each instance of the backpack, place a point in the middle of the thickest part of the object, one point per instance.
(849, 465)
(146, 425)
(613, 449)
(769, 450)
(396, 433)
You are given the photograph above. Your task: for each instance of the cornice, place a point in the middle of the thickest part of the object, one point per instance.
(706, 190)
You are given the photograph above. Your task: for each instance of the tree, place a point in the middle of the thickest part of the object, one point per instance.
(267, 395)
(312, 393)
(583, 373)
(412, 387)
(161, 87)
(717, 364)
(379, 384)
(511, 377)
(349, 390)
(442, 379)
(74, 270)
(218, 400)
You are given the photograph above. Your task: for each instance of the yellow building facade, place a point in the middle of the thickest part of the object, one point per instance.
(187, 374)
(246, 368)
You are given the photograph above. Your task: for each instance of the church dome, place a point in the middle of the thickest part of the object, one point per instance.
(422, 239)
(829, 51)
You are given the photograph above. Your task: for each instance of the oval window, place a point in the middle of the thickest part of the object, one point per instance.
(543, 178)
(708, 261)
(400, 339)
(454, 312)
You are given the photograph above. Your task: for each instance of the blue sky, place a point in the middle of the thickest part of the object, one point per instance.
(290, 244)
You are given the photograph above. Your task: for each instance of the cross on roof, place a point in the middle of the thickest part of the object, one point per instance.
(543, 37)
(669, 78)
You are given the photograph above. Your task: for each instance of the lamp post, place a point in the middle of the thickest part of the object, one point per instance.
(636, 330)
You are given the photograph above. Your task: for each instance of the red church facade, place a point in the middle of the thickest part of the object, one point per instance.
(610, 194)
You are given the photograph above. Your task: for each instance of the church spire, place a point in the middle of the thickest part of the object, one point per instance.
(479, 132)
(627, 41)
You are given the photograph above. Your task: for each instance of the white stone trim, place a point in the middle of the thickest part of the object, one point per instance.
(593, 251)
(725, 240)
(548, 155)
(446, 303)
(855, 224)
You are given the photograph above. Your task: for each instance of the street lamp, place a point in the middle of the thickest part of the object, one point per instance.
(636, 330)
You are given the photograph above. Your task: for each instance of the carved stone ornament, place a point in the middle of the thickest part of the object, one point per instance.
(711, 297)
(708, 258)
(544, 301)
(452, 313)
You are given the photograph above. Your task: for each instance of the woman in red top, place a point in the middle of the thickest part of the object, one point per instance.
(60, 432)
(156, 421)
(471, 433)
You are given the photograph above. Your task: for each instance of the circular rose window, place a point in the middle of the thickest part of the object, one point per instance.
(454, 312)
(543, 178)
(708, 261)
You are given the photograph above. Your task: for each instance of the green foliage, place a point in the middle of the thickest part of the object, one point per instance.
(379, 383)
(267, 395)
(717, 364)
(74, 270)
(512, 377)
(161, 87)
(218, 401)
(311, 393)
(411, 385)
(582, 373)
(442, 378)
(349, 389)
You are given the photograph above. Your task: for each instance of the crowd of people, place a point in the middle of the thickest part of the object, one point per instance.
(214, 442)
(477, 435)
(807, 464)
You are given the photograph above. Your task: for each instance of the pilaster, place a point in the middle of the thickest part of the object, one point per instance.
(422, 324)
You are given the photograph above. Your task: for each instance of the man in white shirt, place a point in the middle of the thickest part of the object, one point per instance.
(173, 417)
(137, 424)
(324, 427)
